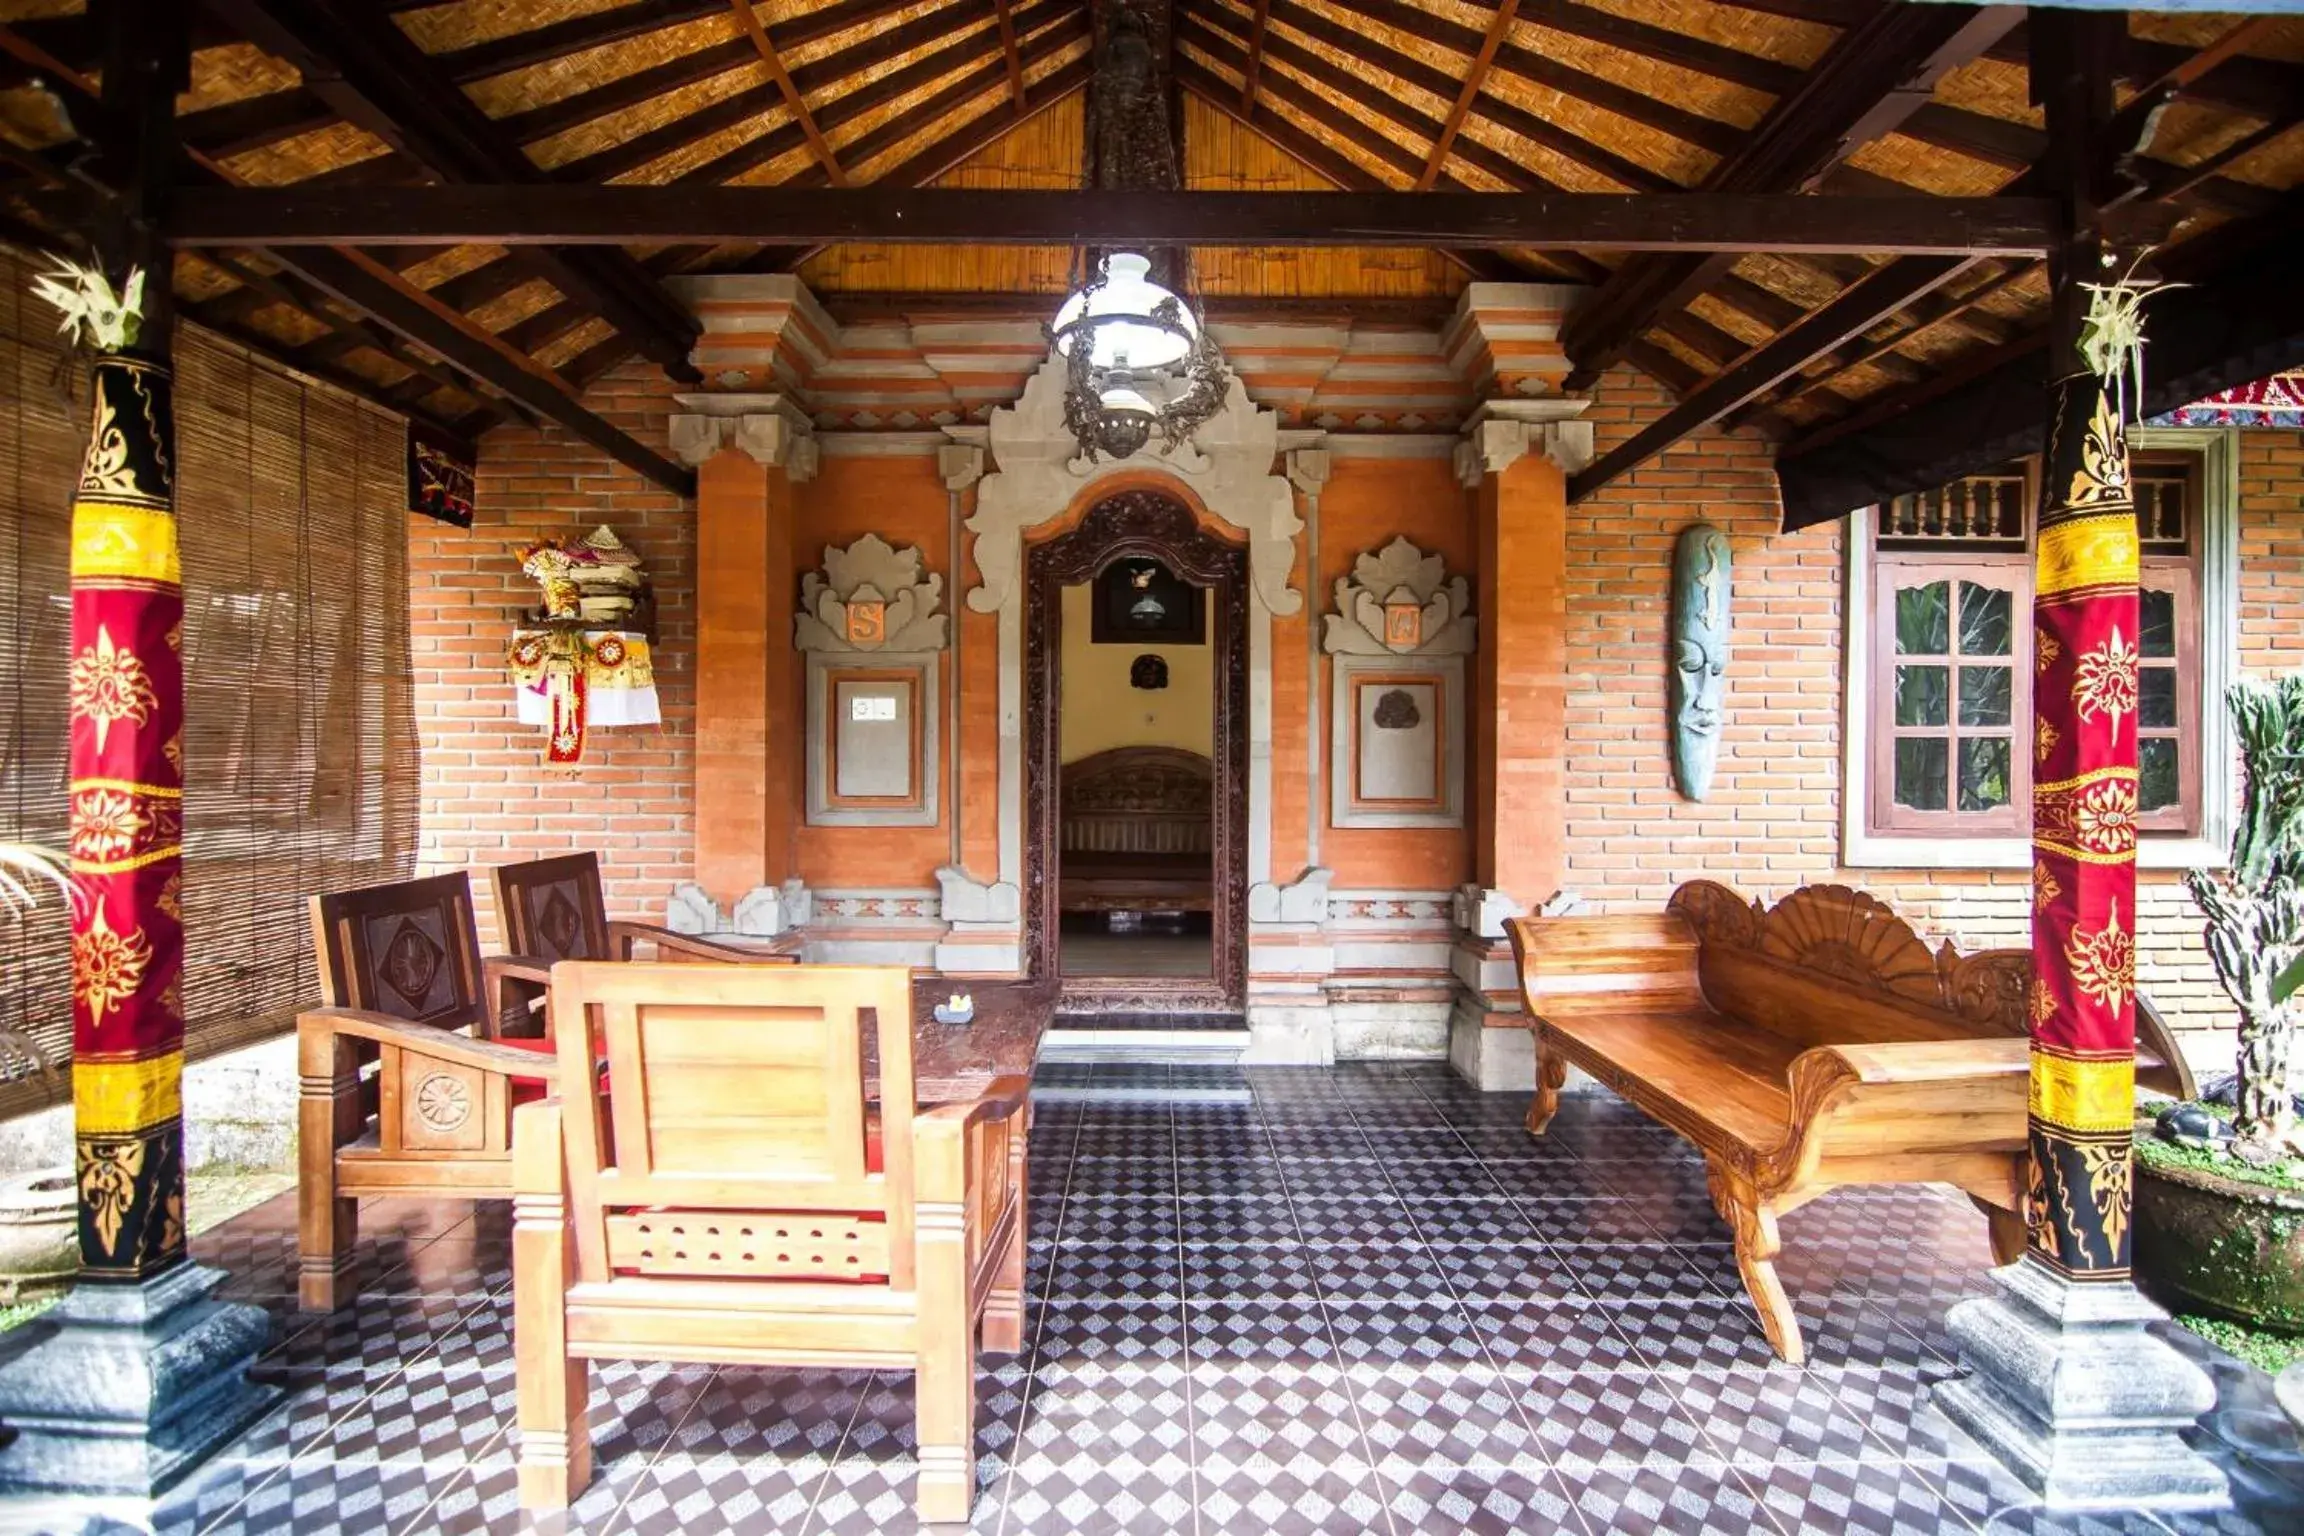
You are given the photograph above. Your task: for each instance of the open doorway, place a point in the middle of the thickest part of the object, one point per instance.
(1135, 694)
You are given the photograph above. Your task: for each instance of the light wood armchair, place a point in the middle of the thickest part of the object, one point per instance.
(395, 1097)
(739, 1218)
(553, 909)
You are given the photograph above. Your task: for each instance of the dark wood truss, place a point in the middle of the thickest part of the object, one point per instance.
(874, 97)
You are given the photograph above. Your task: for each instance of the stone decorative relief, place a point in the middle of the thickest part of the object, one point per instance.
(1227, 464)
(871, 596)
(1502, 432)
(1400, 601)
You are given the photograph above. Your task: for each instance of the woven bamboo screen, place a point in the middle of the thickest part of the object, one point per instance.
(299, 740)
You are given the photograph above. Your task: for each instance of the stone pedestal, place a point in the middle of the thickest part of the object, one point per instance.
(2076, 1399)
(122, 1389)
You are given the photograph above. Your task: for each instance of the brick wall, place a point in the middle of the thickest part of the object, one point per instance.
(488, 799)
(1773, 819)
(1771, 824)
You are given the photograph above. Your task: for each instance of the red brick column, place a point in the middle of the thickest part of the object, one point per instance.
(1514, 468)
(749, 451)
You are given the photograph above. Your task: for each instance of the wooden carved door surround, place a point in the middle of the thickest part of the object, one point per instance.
(1138, 523)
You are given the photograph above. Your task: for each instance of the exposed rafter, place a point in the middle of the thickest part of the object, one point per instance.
(1249, 75)
(518, 376)
(364, 66)
(1879, 72)
(794, 102)
(1854, 312)
(1474, 78)
(1015, 60)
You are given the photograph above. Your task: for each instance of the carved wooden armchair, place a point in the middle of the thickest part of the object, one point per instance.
(741, 1217)
(553, 910)
(396, 1098)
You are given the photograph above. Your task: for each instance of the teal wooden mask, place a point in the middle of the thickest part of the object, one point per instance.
(1700, 589)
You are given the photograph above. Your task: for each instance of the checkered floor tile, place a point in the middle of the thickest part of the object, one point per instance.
(1363, 1300)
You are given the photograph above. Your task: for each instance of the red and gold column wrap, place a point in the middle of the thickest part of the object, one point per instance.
(127, 682)
(2084, 620)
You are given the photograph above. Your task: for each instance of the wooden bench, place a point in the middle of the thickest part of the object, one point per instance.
(1136, 832)
(1816, 1043)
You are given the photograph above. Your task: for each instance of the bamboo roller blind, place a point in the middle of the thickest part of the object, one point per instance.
(300, 764)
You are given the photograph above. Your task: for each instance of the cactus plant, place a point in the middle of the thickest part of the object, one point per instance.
(2255, 912)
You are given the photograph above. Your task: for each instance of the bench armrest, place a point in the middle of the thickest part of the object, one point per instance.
(941, 1141)
(426, 1040)
(622, 936)
(1565, 960)
(1869, 1101)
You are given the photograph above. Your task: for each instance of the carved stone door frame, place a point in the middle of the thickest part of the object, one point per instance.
(1138, 523)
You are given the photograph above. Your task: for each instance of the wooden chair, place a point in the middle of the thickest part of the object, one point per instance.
(396, 1097)
(553, 909)
(740, 1219)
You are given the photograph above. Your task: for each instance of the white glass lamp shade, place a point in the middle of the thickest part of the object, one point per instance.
(1116, 317)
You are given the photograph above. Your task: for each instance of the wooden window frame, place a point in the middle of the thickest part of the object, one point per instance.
(2014, 576)
(2207, 580)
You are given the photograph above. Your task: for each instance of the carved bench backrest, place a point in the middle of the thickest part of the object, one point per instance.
(1138, 800)
(735, 1143)
(1829, 965)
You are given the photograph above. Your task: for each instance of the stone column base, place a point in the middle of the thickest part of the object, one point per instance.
(129, 1387)
(2073, 1396)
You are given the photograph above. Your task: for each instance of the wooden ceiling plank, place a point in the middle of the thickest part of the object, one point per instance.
(518, 214)
(1527, 64)
(515, 374)
(794, 102)
(1851, 314)
(1875, 76)
(1660, 45)
(1474, 78)
(363, 65)
(1340, 170)
(1382, 61)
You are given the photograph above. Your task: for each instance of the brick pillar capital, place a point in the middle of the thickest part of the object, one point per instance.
(768, 429)
(1502, 432)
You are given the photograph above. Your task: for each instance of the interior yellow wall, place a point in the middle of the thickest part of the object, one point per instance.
(1101, 711)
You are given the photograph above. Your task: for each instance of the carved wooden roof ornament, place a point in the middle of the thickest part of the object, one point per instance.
(871, 596)
(1400, 601)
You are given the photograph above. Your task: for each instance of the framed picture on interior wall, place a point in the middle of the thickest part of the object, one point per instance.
(1139, 601)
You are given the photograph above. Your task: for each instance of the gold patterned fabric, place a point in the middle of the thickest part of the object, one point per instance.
(127, 791)
(570, 681)
(2084, 807)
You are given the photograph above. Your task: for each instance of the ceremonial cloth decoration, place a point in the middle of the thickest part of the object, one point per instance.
(2277, 401)
(439, 481)
(2084, 800)
(127, 787)
(570, 680)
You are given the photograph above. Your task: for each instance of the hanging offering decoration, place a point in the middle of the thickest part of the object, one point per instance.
(582, 661)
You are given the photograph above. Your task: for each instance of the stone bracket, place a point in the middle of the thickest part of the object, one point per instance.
(1302, 900)
(1502, 432)
(1482, 912)
(765, 911)
(769, 429)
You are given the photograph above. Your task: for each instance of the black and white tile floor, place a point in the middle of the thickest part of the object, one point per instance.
(1362, 1300)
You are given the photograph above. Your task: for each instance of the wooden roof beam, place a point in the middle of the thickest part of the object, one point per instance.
(1251, 73)
(1015, 60)
(1474, 78)
(367, 68)
(1659, 45)
(1854, 312)
(518, 376)
(527, 214)
(1878, 73)
(794, 102)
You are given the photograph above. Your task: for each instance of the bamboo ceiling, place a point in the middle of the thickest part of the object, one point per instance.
(1581, 95)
